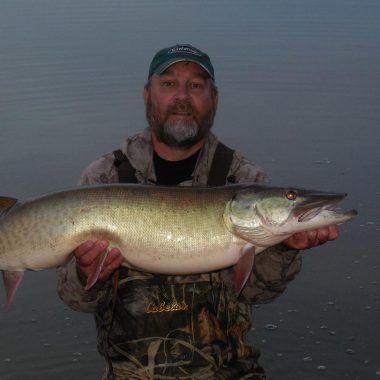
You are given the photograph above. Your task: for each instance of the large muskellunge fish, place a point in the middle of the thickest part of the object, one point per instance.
(168, 230)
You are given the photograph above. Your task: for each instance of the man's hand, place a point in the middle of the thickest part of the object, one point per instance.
(309, 239)
(88, 254)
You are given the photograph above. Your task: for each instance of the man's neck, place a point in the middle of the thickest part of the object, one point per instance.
(174, 154)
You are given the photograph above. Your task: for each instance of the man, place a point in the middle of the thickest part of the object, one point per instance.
(178, 327)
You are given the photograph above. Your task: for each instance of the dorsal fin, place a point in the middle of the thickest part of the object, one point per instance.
(6, 203)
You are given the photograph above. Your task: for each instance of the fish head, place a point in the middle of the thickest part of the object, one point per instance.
(267, 215)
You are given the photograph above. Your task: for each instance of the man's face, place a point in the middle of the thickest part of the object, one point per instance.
(180, 105)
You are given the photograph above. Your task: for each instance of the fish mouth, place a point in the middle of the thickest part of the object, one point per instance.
(307, 215)
(317, 203)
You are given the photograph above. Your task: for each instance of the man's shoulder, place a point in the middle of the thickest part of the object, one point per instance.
(101, 170)
(137, 148)
(243, 169)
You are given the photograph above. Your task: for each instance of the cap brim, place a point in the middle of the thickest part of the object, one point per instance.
(160, 69)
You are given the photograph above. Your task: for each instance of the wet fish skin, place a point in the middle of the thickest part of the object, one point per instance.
(151, 225)
(168, 230)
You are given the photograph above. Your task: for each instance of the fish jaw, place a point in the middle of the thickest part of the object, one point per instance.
(316, 215)
(267, 216)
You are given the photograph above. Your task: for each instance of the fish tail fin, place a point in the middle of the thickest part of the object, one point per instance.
(243, 268)
(96, 269)
(12, 280)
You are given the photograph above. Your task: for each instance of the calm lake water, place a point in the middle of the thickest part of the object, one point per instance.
(299, 93)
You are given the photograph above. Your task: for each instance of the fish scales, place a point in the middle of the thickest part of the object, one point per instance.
(157, 229)
(168, 230)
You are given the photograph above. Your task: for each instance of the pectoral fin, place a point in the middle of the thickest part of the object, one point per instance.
(258, 236)
(243, 268)
(12, 280)
(96, 268)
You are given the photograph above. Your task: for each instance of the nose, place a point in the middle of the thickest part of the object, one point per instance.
(182, 92)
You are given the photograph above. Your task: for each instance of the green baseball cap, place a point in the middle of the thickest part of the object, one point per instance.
(178, 53)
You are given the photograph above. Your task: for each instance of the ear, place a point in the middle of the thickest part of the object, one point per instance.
(216, 101)
(146, 95)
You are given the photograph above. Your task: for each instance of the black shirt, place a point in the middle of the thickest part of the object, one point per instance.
(172, 173)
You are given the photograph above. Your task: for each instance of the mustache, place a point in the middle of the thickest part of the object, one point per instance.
(181, 106)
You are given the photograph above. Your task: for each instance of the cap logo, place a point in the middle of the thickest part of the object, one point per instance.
(173, 54)
(183, 49)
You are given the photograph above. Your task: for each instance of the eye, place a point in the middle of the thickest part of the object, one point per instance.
(291, 195)
(167, 83)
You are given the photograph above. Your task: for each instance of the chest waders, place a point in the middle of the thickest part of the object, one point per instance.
(220, 167)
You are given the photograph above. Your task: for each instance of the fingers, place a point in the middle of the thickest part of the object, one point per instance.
(299, 240)
(324, 235)
(87, 252)
(309, 239)
(87, 255)
(333, 232)
(113, 261)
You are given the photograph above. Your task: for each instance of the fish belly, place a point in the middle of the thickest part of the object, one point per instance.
(157, 230)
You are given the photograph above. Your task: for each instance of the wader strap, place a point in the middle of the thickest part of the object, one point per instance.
(220, 166)
(124, 168)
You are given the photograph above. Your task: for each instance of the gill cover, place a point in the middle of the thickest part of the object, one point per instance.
(244, 219)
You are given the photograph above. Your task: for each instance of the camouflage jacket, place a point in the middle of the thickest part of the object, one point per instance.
(177, 327)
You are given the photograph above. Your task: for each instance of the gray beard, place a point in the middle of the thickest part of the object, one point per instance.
(180, 134)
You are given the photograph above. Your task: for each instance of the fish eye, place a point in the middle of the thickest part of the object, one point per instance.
(291, 195)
